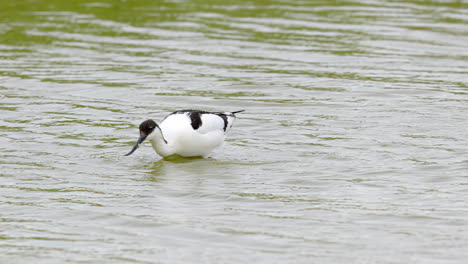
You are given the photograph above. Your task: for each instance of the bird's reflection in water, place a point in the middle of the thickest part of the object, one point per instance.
(179, 159)
(180, 167)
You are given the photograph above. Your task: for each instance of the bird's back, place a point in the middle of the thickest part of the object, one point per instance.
(195, 133)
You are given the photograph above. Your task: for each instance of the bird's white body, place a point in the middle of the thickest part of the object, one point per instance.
(190, 133)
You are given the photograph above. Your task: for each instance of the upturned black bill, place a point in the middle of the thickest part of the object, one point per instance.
(137, 144)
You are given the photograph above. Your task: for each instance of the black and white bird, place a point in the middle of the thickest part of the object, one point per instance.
(188, 133)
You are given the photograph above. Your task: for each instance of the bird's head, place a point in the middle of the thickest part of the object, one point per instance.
(146, 132)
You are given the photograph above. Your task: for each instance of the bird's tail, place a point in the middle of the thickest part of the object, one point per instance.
(235, 112)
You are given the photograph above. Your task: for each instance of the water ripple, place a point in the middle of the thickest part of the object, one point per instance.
(352, 143)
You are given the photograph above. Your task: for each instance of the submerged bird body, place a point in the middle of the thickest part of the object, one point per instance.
(188, 133)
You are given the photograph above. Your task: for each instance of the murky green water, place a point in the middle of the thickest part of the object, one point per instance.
(352, 149)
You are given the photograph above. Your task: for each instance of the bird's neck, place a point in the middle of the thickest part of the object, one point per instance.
(158, 136)
(160, 144)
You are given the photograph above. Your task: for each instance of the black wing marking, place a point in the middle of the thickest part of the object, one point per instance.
(224, 117)
(195, 117)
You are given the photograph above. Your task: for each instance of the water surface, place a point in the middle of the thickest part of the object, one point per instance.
(352, 149)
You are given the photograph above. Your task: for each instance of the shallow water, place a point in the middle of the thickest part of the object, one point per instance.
(352, 149)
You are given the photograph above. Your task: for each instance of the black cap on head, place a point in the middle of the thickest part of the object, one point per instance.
(146, 127)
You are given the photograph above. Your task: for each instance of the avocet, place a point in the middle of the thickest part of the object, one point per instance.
(188, 133)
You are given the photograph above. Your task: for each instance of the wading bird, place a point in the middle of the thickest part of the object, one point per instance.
(188, 133)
